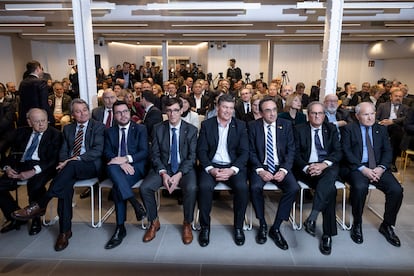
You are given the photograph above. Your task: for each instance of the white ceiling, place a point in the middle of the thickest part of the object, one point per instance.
(279, 21)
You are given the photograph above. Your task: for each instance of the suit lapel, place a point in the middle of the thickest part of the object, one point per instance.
(183, 134)
(358, 134)
(261, 138)
(232, 134)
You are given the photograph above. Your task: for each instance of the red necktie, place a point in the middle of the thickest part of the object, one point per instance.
(109, 119)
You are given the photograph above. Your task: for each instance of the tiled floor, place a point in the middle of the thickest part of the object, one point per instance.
(21, 254)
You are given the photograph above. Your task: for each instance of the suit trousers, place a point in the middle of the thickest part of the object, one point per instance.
(387, 184)
(325, 196)
(121, 190)
(289, 187)
(62, 188)
(153, 182)
(238, 184)
(396, 133)
(7, 203)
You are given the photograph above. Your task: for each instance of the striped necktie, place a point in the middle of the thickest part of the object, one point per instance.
(78, 141)
(269, 151)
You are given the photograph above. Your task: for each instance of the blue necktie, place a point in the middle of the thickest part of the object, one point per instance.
(35, 141)
(371, 155)
(269, 151)
(319, 149)
(174, 151)
(123, 151)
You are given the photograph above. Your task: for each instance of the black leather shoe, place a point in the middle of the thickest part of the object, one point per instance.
(117, 237)
(140, 212)
(388, 233)
(36, 226)
(356, 233)
(277, 237)
(86, 193)
(204, 237)
(310, 227)
(261, 237)
(326, 245)
(394, 169)
(239, 237)
(11, 225)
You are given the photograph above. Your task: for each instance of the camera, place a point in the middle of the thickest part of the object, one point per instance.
(247, 74)
(284, 73)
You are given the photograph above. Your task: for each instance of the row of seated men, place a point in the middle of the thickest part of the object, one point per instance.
(268, 150)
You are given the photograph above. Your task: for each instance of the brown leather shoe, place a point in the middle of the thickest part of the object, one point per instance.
(152, 230)
(187, 233)
(29, 212)
(63, 240)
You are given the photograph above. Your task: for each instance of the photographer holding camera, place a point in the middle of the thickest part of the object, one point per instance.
(233, 73)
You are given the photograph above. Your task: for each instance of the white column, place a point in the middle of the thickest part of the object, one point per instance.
(165, 72)
(270, 55)
(331, 47)
(85, 55)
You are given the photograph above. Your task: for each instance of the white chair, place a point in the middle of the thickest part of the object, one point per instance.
(248, 220)
(269, 186)
(107, 183)
(370, 207)
(340, 220)
(90, 184)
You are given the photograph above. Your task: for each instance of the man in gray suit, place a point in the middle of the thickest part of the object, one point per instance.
(173, 154)
(80, 157)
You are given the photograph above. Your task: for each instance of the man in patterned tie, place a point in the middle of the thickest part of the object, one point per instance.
(272, 151)
(368, 157)
(173, 156)
(80, 157)
(126, 152)
(318, 152)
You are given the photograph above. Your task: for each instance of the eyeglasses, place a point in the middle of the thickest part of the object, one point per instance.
(123, 112)
(316, 113)
(273, 110)
(175, 111)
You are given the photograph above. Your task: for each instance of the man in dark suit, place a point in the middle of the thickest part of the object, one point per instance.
(199, 101)
(80, 158)
(233, 73)
(243, 107)
(318, 152)
(173, 154)
(223, 151)
(124, 77)
(392, 115)
(285, 91)
(34, 155)
(60, 105)
(272, 152)
(126, 152)
(172, 93)
(152, 115)
(368, 157)
(187, 87)
(33, 93)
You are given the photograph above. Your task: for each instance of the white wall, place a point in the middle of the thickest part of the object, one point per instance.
(8, 65)
(400, 69)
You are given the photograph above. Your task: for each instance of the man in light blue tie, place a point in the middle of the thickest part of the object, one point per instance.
(173, 156)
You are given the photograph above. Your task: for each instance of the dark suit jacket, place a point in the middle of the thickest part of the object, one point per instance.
(352, 145)
(65, 103)
(48, 150)
(137, 145)
(33, 93)
(98, 115)
(384, 110)
(341, 115)
(303, 144)
(7, 118)
(237, 143)
(151, 118)
(160, 147)
(120, 75)
(240, 111)
(205, 100)
(285, 145)
(94, 143)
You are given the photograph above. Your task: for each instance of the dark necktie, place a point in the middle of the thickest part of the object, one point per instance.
(109, 119)
(174, 150)
(123, 147)
(35, 141)
(269, 151)
(78, 141)
(247, 108)
(371, 155)
(319, 149)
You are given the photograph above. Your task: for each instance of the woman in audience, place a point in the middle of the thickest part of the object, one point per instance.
(188, 115)
(375, 93)
(137, 112)
(255, 106)
(293, 109)
(100, 78)
(157, 90)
